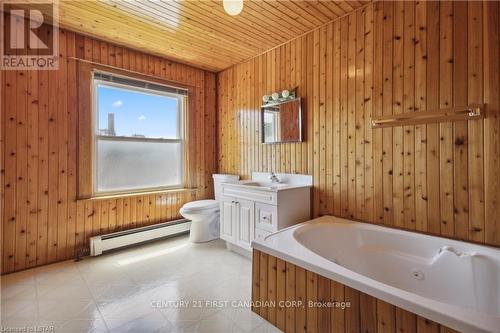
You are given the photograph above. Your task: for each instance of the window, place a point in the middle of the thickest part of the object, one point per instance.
(138, 135)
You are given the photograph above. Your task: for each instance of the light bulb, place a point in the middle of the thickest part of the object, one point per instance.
(233, 7)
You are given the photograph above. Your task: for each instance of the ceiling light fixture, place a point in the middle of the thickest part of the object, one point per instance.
(233, 7)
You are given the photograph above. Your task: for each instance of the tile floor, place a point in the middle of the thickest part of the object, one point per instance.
(136, 290)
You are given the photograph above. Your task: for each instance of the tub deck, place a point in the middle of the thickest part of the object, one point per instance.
(281, 292)
(390, 277)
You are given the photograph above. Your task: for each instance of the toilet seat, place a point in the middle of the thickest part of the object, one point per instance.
(198, 205)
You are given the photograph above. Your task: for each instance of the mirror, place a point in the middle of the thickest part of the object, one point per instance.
(282, 122)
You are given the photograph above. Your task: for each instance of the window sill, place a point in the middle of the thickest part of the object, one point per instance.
(138, 194)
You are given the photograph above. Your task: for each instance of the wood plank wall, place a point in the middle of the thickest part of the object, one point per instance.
(278, 281)
(42, 220)
(388, 58)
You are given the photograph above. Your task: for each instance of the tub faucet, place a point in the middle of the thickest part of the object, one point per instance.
(272, 177)
(450, 249)
(458, 253)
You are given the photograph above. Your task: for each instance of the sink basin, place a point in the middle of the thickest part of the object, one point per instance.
(265, 184)
(260, 182)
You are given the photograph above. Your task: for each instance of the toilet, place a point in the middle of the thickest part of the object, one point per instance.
(204, 214)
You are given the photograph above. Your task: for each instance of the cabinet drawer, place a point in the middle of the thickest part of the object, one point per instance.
(261, 234)
(266, 217)
(249, 194)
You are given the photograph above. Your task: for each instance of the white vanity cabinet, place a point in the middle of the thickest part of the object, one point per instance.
(254, 209)
(227, 215)
(237, 221)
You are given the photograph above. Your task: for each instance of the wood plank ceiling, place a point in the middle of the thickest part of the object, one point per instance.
(199, 33)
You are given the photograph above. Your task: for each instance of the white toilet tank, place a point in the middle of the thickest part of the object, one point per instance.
(222, 178)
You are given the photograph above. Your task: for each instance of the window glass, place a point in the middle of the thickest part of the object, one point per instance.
(136, 113)
(139, 138)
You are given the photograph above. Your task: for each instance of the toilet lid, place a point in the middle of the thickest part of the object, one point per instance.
(201, 204)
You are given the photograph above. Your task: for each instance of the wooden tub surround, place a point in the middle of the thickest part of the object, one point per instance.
(297, 300)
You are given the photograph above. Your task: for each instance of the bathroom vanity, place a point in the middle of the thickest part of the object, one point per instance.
(253, 209)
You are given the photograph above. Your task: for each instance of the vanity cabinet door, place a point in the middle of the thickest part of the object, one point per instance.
(227, 230)
(246, 223)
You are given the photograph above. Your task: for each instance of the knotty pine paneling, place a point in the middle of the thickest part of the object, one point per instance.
(199, 33)
(42, 219)
(275, 281)
(386, 58)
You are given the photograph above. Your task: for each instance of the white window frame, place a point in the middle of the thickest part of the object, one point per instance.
(182, 105)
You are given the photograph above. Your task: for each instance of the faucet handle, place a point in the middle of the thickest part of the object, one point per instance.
(273, 178)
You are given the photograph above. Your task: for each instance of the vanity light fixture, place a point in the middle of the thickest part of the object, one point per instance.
(278, 97)
(233, 7)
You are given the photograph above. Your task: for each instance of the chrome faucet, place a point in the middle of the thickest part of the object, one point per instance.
(272, 177)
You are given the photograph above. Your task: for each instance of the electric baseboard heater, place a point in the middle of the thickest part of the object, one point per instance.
(120, 239)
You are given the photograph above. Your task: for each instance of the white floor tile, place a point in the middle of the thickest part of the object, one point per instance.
(19, 309)
(114, 291)
(182, 314)
(66, 291)
(58, 278)
(120, 291)
(215, 326)
(68, 266)
(107, 277)
(18, 324)
(19, 292)
(67, 309)
(186, 326)
(76, 326)
(153, 322)
(130, 308)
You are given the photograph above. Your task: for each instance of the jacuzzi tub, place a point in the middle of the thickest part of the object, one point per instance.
(451, 282)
